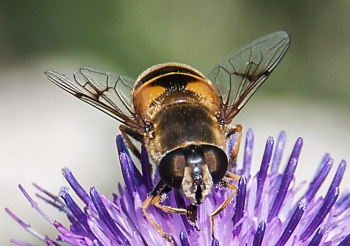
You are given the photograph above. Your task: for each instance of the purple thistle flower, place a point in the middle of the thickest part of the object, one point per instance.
(264, 212)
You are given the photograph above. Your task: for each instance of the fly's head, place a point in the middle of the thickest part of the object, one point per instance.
(194, 170)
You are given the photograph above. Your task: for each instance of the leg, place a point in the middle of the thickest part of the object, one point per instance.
(227, 201)
(160, 190)
(234, 147)
(126, 132)
(155, 198)
(190, 211)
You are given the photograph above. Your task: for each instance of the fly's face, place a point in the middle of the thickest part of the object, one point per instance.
(182, 117)
(204, 167)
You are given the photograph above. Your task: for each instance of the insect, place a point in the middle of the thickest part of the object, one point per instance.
(182, 117)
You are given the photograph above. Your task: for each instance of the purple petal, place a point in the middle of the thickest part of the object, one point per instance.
(121, 147)
(323, 211)
(68, 237)
(281, 140)
(293, 222)
(105, 216)
(128, 173)
(319, 178)
(215, 242)
(259, 235)
(345, 242)
(83, 195)
(248, 153)
(183, 239)
(52, 199)
(263, 168)
(180, 203)
(74, 208)
(287, 178)
(343, 203)
(240, 204)
(128, 165)
(316, 240)
(25, 226)
(146, 169)
(337, 177)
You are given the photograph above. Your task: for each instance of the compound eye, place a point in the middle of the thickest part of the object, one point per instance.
(171, 168)
(217, 162)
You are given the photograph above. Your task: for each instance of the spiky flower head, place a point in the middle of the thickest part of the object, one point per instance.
(265, 211)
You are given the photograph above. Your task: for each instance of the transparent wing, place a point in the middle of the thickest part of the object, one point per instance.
(240, 74)
(106, 91)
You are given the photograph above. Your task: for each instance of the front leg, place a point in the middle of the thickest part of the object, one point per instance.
(235, 132)
(155, 198)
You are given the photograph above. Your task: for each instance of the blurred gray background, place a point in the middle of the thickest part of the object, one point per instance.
(44, 128)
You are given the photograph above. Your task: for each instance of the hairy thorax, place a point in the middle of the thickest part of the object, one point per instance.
(182, 124)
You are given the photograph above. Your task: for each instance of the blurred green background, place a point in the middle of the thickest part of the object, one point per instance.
(44, 129)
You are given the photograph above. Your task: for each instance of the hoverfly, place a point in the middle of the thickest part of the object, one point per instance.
(182, 117)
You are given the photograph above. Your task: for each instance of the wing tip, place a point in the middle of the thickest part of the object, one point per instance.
(52, 74)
